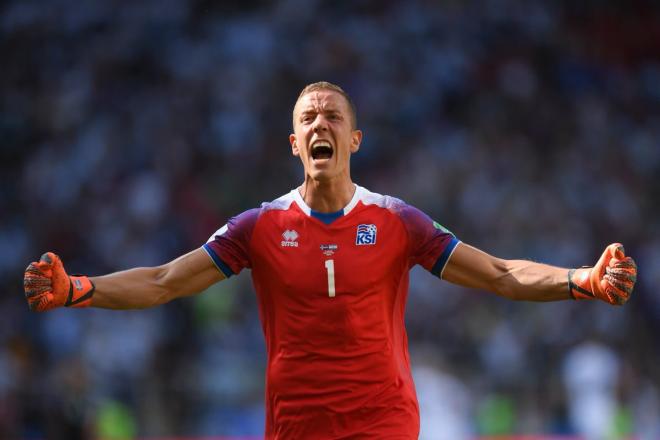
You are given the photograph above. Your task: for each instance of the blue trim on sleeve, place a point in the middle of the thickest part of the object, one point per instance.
(442, 259)
(226, 270)
(327, 217)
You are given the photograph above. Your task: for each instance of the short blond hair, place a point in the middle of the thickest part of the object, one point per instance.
(325, 85)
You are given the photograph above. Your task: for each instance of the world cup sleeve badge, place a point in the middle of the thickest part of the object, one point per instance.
(366, 235)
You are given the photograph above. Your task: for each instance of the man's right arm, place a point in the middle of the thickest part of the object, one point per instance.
(144, 287)
(47, 285)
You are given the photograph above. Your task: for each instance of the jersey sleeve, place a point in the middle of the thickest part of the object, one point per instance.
(431, 244)
(229, 246)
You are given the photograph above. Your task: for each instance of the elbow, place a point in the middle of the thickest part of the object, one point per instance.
(165, 287)
(504, 283)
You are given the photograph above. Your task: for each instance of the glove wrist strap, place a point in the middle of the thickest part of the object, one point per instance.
(81, 289)
(579, 285)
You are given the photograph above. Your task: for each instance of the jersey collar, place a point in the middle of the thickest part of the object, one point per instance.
(357, 195)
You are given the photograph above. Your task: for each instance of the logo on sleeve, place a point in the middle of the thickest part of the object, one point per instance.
(366, 234)
(290, 236)
(442, 228)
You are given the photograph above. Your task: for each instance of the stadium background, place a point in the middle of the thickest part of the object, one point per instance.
(130, 131)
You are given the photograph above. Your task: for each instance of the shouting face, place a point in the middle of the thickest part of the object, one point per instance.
(324, 136)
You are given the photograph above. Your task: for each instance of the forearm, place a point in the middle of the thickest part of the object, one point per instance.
(529, 281)
(137, 288)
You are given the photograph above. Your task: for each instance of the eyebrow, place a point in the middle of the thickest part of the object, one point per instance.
(313, 111)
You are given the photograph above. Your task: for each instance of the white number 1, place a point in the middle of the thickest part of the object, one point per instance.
(330, 266)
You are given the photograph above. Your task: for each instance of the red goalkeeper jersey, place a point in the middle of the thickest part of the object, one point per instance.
(332, 290)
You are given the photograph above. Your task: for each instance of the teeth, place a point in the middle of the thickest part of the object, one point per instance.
(322, 144)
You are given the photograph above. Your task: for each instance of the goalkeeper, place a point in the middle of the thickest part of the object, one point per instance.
(330, 263)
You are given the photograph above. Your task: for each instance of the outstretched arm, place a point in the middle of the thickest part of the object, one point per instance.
(513, 279)
(150, 286)
(611, 279)
(47, 285)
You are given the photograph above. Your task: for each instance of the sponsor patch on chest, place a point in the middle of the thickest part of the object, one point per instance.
(329, 249)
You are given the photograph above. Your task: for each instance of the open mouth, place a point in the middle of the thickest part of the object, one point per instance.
(321, 150)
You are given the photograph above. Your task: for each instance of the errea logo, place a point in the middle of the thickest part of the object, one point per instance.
(290, 236)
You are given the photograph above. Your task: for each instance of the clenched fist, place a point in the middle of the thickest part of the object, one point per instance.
(612, 279)
(47, 285)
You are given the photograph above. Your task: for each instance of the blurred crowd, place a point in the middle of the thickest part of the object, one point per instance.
(131, 131)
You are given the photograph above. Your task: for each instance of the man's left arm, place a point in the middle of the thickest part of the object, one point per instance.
(611, 279)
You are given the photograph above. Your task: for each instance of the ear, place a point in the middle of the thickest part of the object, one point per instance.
(356, 140)
(294, 145)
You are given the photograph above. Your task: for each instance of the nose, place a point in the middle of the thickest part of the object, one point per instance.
(319, 124)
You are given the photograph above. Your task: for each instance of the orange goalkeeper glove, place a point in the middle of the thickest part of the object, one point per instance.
(612, 278)
(47, 285)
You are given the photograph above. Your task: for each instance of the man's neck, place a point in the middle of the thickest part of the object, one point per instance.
(327, 196)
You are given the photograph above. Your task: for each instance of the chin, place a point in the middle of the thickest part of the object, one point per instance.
(320, 175)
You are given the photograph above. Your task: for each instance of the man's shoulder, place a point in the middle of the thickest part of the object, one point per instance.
(410, 215)
(370, 198)
(282, 203)
(251, 216)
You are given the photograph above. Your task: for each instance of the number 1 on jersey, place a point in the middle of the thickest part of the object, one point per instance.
(330, 267)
